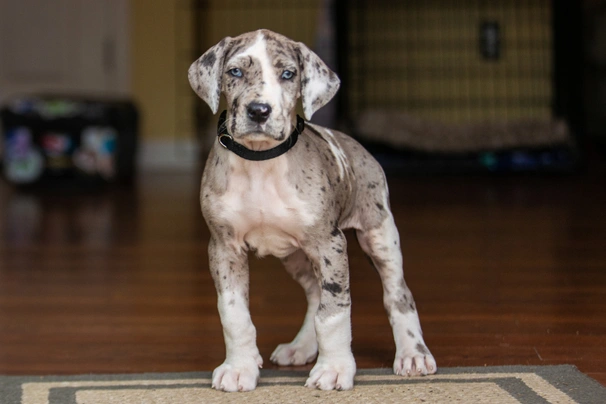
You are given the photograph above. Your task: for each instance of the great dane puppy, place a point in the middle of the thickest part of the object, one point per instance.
(263, 191)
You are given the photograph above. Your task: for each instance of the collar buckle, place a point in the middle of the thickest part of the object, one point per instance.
(227, 137)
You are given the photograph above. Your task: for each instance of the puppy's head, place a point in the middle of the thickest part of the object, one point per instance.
(262, 74)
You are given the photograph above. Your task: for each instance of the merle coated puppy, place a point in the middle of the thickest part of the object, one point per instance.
(274, 184)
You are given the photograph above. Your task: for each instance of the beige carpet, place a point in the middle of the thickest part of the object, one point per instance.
(509, 384)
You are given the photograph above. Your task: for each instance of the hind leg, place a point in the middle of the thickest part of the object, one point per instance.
(382, 244)
(304, 348)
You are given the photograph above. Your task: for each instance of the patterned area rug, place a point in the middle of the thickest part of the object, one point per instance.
(508, 384)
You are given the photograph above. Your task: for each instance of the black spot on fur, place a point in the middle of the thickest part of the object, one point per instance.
(404, 305)
(236, 48)
(327, 261)
(234, 110)
(379, 206)
(332, 287)
(209, 59)
(335, 232)
(422, 349)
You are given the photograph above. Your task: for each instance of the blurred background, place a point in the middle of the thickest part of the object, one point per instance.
(512, 85)
(488, 117)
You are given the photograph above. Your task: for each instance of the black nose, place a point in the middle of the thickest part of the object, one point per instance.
(258, 112)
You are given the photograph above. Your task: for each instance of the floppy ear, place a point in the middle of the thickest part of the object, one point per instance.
(318, 83)
(205, 74)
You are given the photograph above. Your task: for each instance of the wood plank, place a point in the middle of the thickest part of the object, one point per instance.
(505, 270)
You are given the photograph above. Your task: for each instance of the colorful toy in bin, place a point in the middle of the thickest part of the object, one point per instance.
(96, 154)
(57, 148)
(68, 140)
(23, 162)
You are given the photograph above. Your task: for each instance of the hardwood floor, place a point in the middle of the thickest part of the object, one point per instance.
(505, 270)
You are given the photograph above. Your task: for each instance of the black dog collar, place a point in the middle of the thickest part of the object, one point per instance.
(228, 142)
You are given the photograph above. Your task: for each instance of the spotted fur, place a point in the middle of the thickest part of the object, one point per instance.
(295, 207)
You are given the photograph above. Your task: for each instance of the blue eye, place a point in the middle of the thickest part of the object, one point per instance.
(236, 72)
(287, 75)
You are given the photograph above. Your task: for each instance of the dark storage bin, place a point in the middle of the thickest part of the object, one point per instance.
(68, 139)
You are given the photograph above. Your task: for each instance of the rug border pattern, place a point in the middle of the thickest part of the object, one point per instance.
(565, 378)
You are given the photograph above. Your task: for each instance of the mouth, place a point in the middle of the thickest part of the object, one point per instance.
(260, 132)
(245, 129)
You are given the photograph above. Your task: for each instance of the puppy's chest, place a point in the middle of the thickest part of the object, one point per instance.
(265, 211)
(255, 202)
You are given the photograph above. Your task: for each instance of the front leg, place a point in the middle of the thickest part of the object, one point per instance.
(229, 269)
(335, 367)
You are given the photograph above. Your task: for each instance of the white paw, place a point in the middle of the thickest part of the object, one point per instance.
(332, 374)
(294, 354)
(415, 362)
(238, 375)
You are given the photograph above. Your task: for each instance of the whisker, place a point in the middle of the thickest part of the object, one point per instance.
(226, 124)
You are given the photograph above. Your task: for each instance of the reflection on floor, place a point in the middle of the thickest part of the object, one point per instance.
(507, 270)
